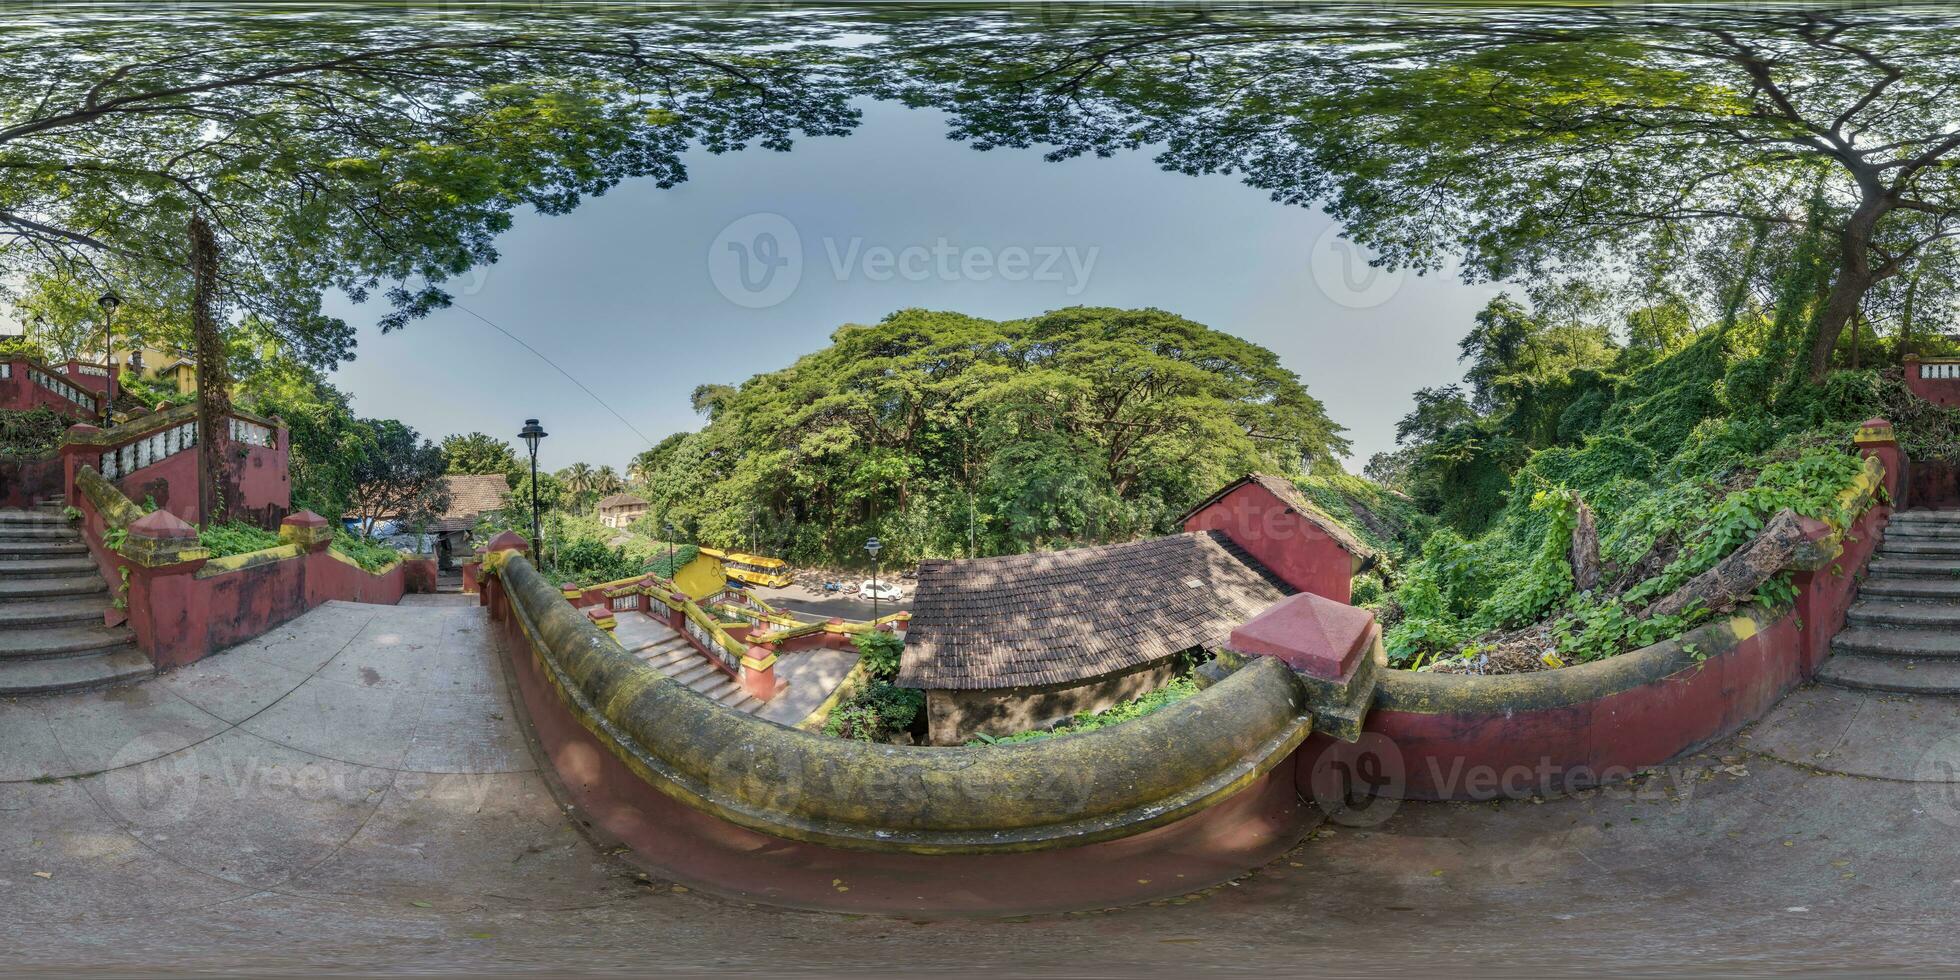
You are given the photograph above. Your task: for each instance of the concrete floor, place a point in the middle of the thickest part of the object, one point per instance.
(352, 793)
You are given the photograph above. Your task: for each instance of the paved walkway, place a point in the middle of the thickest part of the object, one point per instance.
(353, 792)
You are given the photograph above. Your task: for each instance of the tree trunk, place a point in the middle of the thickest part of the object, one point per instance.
(1854, 279)
(213, 383)
(1737, 577)
(1905, 321)
(1585, 550)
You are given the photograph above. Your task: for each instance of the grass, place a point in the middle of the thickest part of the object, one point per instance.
(233, 538)
(370, 556)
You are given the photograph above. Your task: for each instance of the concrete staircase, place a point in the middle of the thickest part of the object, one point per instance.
(52, 601)
(671, 654)
(1903, 635)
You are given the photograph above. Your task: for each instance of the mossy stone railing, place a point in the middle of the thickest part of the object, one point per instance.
(1077, 789)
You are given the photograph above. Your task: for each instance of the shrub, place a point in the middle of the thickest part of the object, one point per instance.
(225, 540)
(367, 554)
(881, 651)
(877, 714)
(33, 434)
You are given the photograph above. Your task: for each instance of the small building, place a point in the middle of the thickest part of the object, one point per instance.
(1274, 522)
(621, 510)
(1010, 644)
(448, 538)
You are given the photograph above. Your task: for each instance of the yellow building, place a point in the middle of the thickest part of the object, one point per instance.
(173, 367)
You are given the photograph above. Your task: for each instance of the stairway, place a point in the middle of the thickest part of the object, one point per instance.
(671, 654)
(1903, 635)
(52, 601)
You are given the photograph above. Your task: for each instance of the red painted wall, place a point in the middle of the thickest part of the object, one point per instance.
(18, 393)
(1935, 485)
(1939, 391)
(180, 618)
(24, 483)
(263, 488)
(91, 382)
(1297, 551)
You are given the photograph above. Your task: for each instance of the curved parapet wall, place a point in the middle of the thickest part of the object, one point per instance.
(795, 785)
(1465, 737)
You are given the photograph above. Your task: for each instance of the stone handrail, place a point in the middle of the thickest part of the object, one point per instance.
(147, 440)
(793, 784)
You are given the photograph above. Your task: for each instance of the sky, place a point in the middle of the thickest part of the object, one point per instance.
(642, 294)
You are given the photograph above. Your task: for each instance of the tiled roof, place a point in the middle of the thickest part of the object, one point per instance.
(621, 500)
(1057, 617)
(1296, 501)
(470, 496)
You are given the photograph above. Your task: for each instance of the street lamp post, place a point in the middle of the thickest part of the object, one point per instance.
(531, 433)
(874, 546)
(108, 302)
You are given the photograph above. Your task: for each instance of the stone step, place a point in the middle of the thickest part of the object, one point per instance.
(1904, 612)
(61, 641)
(1919, 589)
(1897, 675)
(688, 673)
(1906, 547)
(1917, 568)
(73, 673)
(46, 567)
(24, 677)
(1882, 641)
(52, 612)
(1922, 531)
(42, 588)
(667, 660)
(1947, 514)
(10, 550)
(37, 516)
(717, 689)
(30, 532)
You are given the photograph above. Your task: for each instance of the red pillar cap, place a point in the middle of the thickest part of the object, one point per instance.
(305, 518)
(508, 541)
(161, 525)
(1312, 634)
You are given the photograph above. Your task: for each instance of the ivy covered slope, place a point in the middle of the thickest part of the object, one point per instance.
(1681, 445)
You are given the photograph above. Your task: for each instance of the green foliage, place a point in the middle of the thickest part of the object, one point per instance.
(588, 561)
(944, 434)
(878, 713)
(326, 438)
(1137, 707)
(477, 453)
(396, 474)
(224, 540)
(153, 392)
(367, 554)
(880, 651)
(12, 346)
(666, 562)
(33, 434)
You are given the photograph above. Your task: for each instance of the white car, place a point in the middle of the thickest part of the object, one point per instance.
(871, 588)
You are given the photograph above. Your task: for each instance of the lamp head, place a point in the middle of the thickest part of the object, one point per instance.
(874, 546)
(531, 433)
(109, 302)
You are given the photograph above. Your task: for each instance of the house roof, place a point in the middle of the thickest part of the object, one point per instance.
(1295, 501)
(1057, 617)
(621, 500)
(470, 496)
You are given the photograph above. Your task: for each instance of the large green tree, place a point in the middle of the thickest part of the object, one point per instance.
(950, 434)
(477, 453)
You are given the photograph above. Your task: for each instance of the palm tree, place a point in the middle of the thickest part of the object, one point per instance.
(606, 481)
(578, 478)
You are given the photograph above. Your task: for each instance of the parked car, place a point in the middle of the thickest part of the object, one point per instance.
(882, 591)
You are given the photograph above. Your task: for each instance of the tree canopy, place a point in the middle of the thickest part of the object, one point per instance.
(946, 434)
(1603, 142)
(355, 153)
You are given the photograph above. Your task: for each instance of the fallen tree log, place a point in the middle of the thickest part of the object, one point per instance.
(1737, 577)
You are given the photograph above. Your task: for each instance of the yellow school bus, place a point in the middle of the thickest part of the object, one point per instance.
(753, 569)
